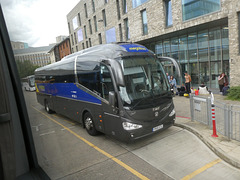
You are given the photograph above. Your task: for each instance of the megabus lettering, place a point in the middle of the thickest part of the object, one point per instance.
(134, 48)
(137, 49)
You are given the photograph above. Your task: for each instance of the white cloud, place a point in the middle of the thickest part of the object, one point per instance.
(37, 22)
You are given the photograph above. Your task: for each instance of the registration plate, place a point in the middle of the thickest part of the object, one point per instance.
(157, 127)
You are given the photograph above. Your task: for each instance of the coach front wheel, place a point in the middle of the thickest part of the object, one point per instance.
(89, 124)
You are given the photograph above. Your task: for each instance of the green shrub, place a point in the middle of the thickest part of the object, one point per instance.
(234, 93)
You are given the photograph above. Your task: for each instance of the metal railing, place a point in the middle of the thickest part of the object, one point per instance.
(227, 116)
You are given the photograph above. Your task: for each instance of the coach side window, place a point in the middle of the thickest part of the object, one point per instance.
(106, 81)
(89, 76)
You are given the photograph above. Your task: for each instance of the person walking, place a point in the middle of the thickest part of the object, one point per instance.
(173, 82)
(187, 82)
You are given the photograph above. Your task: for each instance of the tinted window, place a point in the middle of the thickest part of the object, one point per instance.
(95, 77)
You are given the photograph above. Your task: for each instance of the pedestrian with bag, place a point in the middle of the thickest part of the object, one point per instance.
(222, 81)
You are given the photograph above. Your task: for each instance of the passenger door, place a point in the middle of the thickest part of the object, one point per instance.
(110, 116)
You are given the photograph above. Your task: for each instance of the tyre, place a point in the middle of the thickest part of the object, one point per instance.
(47, 108)
(89, 124)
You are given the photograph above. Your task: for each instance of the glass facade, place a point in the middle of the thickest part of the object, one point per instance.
(204, 54)
(196, 8)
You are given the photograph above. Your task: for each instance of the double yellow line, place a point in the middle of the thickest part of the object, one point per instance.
(133, 171)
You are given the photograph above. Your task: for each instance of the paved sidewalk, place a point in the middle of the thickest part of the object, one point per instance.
(228, 150)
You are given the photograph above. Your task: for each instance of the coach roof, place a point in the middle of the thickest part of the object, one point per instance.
(98, 53)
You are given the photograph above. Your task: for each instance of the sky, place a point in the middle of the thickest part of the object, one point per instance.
(37, 22)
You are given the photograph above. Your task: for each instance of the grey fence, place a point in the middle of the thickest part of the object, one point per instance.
(227, 116)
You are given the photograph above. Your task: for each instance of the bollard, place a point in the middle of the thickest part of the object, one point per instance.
(213, 122)
(213, 116)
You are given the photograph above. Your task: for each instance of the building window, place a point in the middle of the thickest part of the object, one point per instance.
(118, 9)
(95, 23)
(225, 44)
(104, 18)
(120, 32)
(127, 34)
(105, 1)
(85, 8)
(69, 30)
(168, 6)
(79, 19)
(72, 39)
(90, 26)
(100, 38)
(75, 38)
(111, 35)
(144, 22)
(76, 48)
(90, 42)
(85, 31)
(196, 8)
(136, 3)
(238, 32)
(93, 6)
(80, 35)
(87, 44)
(124, 2)
(75, 23)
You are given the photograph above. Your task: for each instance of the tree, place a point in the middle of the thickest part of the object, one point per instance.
(25, 68)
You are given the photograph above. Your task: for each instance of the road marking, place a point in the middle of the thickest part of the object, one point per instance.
(37, 127)
(133, 171)
(72, 123)
(184, 117)
(200, 170)
(68, 127)
(43, 134)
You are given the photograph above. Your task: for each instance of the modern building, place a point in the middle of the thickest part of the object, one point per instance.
(37, 55)
(19, 45)
(203, 35)
(61, 49)
(60, 38)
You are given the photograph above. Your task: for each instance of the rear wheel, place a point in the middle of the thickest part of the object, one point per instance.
(89, 124)
(47, 108)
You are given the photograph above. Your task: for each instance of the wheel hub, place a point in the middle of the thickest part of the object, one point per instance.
(88, 123)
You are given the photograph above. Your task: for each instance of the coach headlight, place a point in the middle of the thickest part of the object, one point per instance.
(130, 126)
(172, 113)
